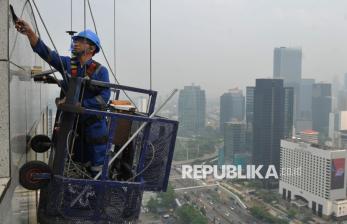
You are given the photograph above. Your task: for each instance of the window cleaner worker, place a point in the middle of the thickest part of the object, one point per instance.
(92, 134)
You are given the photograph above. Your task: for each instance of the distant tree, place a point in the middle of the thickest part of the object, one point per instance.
(292, 213)
(168, 197)
(152, 204)
(188, 214)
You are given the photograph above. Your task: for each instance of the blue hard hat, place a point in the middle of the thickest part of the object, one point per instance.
(91, 36)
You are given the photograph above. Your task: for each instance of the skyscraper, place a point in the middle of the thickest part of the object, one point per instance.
(249, 104)
(249, 117)
(288, 111)
(268, 125)
(234, 140)
(191, 109)
(321, 107)
(287, 66)
(232, 106)
(304, 116)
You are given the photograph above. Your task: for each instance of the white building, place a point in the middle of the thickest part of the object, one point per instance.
(338, 128)
(321, 180)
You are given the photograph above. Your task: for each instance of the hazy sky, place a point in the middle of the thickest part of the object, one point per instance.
(217, 44)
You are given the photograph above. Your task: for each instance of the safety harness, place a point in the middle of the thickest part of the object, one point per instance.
(94, 67)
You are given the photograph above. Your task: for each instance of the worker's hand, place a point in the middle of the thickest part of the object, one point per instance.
(23, 27)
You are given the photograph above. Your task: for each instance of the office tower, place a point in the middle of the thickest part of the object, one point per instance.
(191, 109)
(232, 106)
(249, 117)
(249, 104)
(288, 111)
(234, 140)
(287, 66)
(342, 100)
(338, 128)
(268, 125)
(321, 107)
(316, 175)
(304, 116)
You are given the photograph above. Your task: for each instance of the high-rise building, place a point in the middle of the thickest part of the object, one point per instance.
(249, 117)
(338, 128)
(321, 107)
(288, 111)
(287, 66)
(191, 109)
(342, 100)
(249, 104)
(304, 116)
(268, 125)
(314, 176)
(232, 106)
(234, 140)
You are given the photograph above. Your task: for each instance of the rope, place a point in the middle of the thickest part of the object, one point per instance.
(103, 53)
(50, 38)
(150, 44)
(70, 15)
(150, 52)
(114, 36)
(148, 165)
(38, 32)
(49, 35)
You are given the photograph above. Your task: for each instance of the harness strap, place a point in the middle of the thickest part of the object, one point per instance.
(94, 67)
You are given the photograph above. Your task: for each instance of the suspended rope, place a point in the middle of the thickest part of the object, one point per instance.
(104, 55)
(150, 51)
(73, 61)
(70, 15)
(39, 34)
(50, 38)
(114, 37)
(150, 44)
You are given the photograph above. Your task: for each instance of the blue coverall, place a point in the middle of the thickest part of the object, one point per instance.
(89, 148)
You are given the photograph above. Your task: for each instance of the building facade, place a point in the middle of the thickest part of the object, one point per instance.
(268, 126)
(234, 140)
(27, 108)
(288, 112)
(191, 109)
(304, 117)
(320, 180)
(232, 106)
(287, 65)
(321, 107)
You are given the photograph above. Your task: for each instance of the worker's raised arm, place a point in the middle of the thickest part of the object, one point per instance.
(51, 57)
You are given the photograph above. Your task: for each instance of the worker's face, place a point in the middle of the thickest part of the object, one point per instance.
(83, 46)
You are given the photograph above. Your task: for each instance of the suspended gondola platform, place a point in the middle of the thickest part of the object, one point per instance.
(138, 158)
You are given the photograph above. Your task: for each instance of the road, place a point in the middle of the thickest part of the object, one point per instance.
(223, 212)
